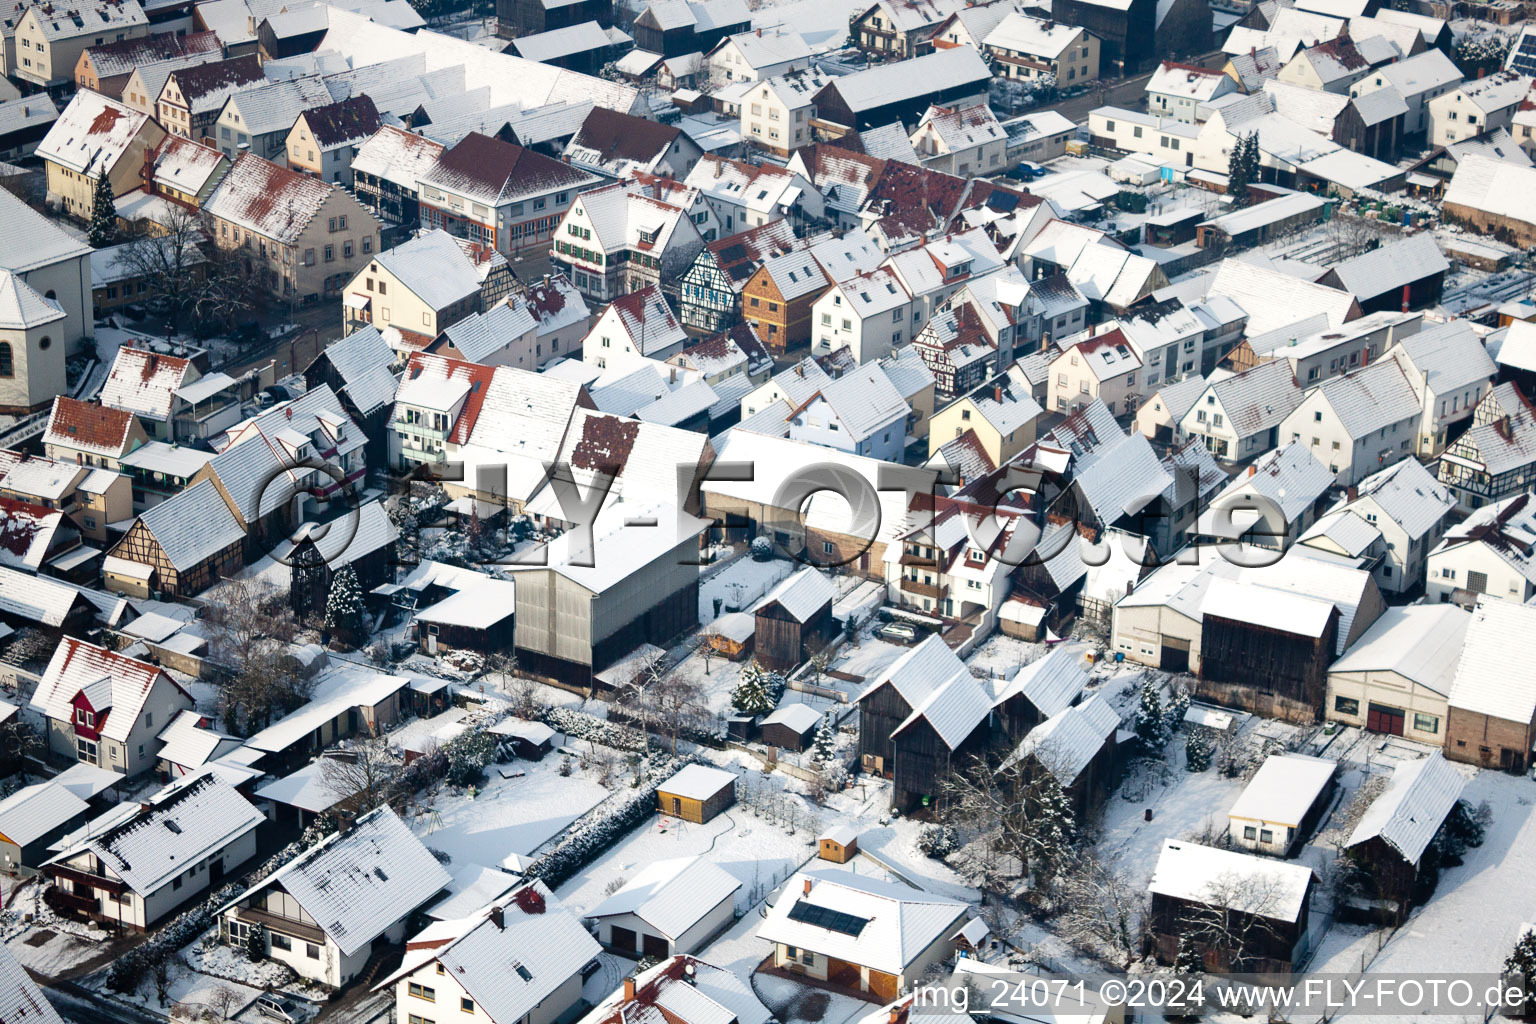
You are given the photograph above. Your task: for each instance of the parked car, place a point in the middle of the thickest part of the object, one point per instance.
(900, 632)
(274, 1006)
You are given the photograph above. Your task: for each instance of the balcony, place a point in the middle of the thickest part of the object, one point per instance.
(69, 874)
(402, 428)
(285, 925)
(921, 589)
(63, 899)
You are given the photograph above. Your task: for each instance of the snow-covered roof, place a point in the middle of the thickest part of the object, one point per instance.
(1260, 886)
(471, 888)
(1283, 789)
(397, 156)
(671, 895)
(884, 84)
(358, 882)
(335, 691)
(799, 718)
(698, 782)
(950, 699)
(875, 924)
(1020, 33)
(509, 957)
(1409, 811)
(180, 825)
(32, 240)
(480, 606)
(188, 743)
(1051, 683)
(1420, 642)
(1497, 675)
(77, 666)
(21, 1000)
(1188, 81)
(683, 990)
(34, 811)
(144, 383)
(268, 199)
(1371, 398)
(1067, 742)
(802, 594)
(1494, 186)
(92, 133)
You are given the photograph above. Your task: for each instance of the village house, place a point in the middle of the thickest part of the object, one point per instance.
(49, 41)
(1492, 701)
(136, 871)
(870, 314)
(777, 299)
(616, 145)
(1272, 503)
(1477, 107)
(961, 140)
(899, 29)
(498, 194)
(838, 928)
(41, 539)
(636, 325)
(387, 170)
(1028, 49)
(1264, 907)
(755, 56)
(324, 140)
(1452, 371)
(102, 707)
(669, 907)
(693, 991)
(1489, 556)
(1000, 414)
(1418, 79)
(1394, 518)
(91, 435)
(426, 285)
(91, 498)
(1395, 679)
(1358, 423)
(323, 911)
(178, 547)
(776, 113)
(1492, 197)
(626, 236)
(307, 238)
(1390, 845)
(185, 172)
(1494, 459)
(1282, 804)
(257, 120)
(1096, 367)
(1179, 90)
(746, 195)
(191, 99)
(107, 68)
(95, 136)
(1332, 65)
(31, 820)
(710, 288)
(902, 91)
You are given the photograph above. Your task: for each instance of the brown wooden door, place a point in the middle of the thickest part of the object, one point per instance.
(624, 939)
(1380, 718)
(656, 946)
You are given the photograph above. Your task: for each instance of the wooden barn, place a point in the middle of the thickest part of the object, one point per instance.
(1208, 895)
(839, 845)
(794, 620)
(477, 618)
(1391, 844)
(1044, 687)
(1080, 747)
(179, 547)
(697, 793)
(1267, 651)
(919, 719)
(365, 540)
(791, 727)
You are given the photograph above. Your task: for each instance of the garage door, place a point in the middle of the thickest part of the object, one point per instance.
(1380, 718)
(656, 946)
(1175, 655)
(624, 939)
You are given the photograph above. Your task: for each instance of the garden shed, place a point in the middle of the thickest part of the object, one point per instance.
(697, 793)
(796, 615)
(791, 727)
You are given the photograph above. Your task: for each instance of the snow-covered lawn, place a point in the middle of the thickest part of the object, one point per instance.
(1479, 907)
(739, 585)
(759, 853)
(507, 815)
(190, 989)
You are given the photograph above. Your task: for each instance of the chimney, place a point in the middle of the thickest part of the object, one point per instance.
(289, 411)
(498, 918)
(997, 393)
(759, 33)
(1351, 492)
(807, 887)
(1252, 470)
(629, 989)
(895, 1015)
(1093, 329)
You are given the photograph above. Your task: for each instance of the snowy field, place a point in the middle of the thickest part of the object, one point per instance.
(506, 816)
(739, 585)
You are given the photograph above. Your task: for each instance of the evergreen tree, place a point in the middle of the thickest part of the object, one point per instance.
(103, 230)
(1178, 706)
(1054, 827)
(344, 612)
(1187, 960)
(1149, 720)
(1198, 750)
(824, 750)
(1242, 168)
(752, 696)
(1522, 961)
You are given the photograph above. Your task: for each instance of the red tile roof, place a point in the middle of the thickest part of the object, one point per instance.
(88, 425)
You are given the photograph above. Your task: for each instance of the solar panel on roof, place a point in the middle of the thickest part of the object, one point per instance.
(825, 917)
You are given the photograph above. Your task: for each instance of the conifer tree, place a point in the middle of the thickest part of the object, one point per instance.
(1149, 720)
(103, 229)
(344, 612)
(752, 696)
(824, 749)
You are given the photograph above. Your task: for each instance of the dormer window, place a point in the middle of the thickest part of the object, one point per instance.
(85, 718)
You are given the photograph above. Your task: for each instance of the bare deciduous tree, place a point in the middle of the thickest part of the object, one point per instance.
(223, 1001)
(704, 647)
(171, 263)
(251, 626)
(1015, 812)
(1103, 911)
(1236, 915)
(359, 776)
